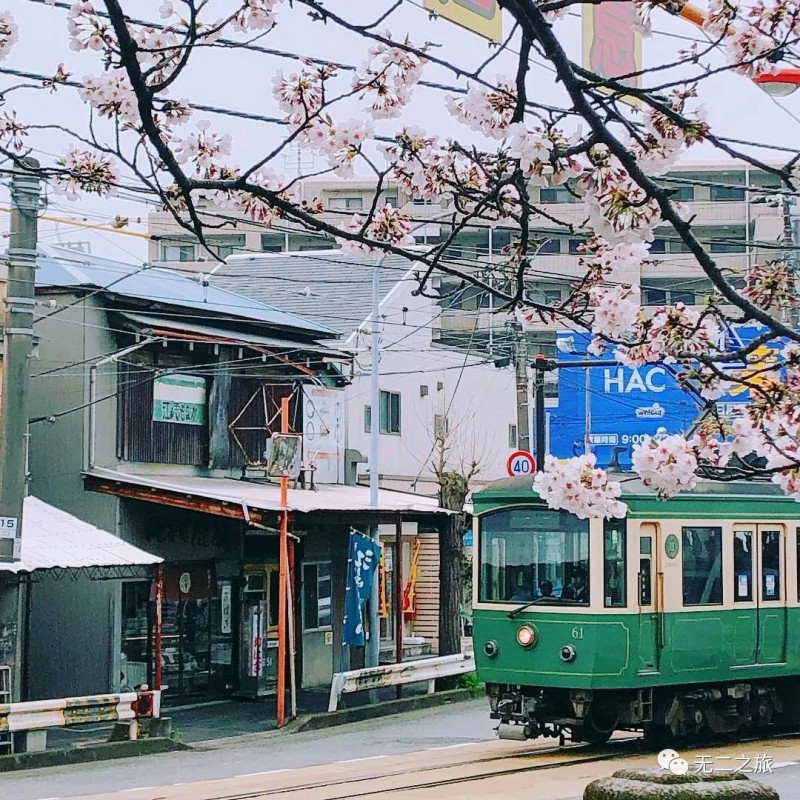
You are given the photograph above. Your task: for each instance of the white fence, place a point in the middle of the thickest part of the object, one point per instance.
(426, 669)
(37, 715)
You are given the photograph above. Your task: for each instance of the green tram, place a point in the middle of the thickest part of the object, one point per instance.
(681, 619)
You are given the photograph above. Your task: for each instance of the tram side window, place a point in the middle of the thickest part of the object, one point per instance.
(614, 562)
(743, 566)
(702, 566)
(771, 565)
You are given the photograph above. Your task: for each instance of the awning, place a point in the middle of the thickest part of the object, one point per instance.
(55, 540)
(156, 325)
(236, 498)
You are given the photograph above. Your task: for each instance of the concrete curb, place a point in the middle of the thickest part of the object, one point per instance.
(80, 755)
(315, 722)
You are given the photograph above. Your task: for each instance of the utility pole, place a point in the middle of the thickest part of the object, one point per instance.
(540, 364)
(17, 343)
(523, 386)
(792, 256)
(372, 654)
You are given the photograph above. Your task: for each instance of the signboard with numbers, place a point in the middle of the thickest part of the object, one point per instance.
(520, 463)
(180, 399)
(483, 17)
(9, 527)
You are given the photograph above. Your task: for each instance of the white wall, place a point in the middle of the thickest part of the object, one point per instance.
(478, 398)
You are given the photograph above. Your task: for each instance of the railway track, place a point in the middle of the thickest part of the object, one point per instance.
(435, 776)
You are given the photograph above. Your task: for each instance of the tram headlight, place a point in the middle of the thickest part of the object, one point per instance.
(568, 653)
(526, 636)
(490, 648)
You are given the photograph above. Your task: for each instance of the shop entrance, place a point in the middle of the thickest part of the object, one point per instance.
(258, 671)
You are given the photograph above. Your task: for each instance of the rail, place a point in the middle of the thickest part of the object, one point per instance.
(423, 670)
(39, 715)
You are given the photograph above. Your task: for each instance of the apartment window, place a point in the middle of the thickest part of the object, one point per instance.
(317, 596)
(390, 200)
(272, 242)
(224, 246)
(367, 419)
(557, 194)
(346, 203)
(390, 412)
(512, 442)
(729, 246)
(418, 201)
(685, 296)
(658, 245)
(681, 194)
(655, 297)
(550, 246)
(574, 244)
(440, 426)
(552, 296)
(723, 194)
(177, 252)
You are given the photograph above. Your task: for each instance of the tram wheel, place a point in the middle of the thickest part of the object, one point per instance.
(597, 727)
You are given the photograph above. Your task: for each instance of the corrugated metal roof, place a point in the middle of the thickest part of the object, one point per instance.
(149, 322)
(266, 497)
(62, 267)
(53, 539)
(328, 286)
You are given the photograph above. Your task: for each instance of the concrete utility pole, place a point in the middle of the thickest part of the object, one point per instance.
(17, 344)
(373, 650)
(792, 256)
(523, 387)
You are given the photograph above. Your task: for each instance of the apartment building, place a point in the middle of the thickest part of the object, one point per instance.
(730, 217)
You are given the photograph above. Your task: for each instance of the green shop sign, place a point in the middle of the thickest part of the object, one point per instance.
(180, 399)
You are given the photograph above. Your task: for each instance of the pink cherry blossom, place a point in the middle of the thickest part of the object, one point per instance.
(9, 34)
(388, 225)
(668, 465)
(86, 171)
(577, 486)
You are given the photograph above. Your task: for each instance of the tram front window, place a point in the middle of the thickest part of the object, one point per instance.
(534, 556)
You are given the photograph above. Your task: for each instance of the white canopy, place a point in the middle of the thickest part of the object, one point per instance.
(53, 539)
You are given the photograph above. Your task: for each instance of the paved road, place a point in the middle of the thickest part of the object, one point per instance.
(455, 724)
(472, 771)
(440, 754)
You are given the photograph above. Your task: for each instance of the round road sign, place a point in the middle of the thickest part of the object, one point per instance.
(520, 463)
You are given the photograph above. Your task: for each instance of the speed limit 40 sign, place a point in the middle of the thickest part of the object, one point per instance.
(520, 463)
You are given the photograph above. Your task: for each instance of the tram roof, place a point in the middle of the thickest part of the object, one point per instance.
(709, 499)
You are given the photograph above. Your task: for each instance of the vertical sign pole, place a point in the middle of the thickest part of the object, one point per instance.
(283, 568)
(398, 594)
(159, 634)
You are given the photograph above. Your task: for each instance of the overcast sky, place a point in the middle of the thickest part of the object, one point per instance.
(242, 81)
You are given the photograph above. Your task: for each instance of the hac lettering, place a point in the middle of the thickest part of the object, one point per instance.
(622, 381)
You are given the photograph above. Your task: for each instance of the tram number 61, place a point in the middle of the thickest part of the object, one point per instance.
(577, 633)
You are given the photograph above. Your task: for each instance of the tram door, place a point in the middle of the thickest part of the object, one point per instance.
(650, 598)
(759, 594)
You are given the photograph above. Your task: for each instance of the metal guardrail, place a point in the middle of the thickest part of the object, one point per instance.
(423, 670)
(37, 715)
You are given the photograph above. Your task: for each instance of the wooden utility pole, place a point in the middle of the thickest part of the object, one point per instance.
(17, 342)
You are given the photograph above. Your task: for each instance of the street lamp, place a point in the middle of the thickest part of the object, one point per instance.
(780, 84)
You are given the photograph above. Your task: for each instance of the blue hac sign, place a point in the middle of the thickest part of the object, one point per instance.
(624, 405)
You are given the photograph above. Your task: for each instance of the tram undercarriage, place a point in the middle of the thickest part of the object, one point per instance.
(664, 714)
